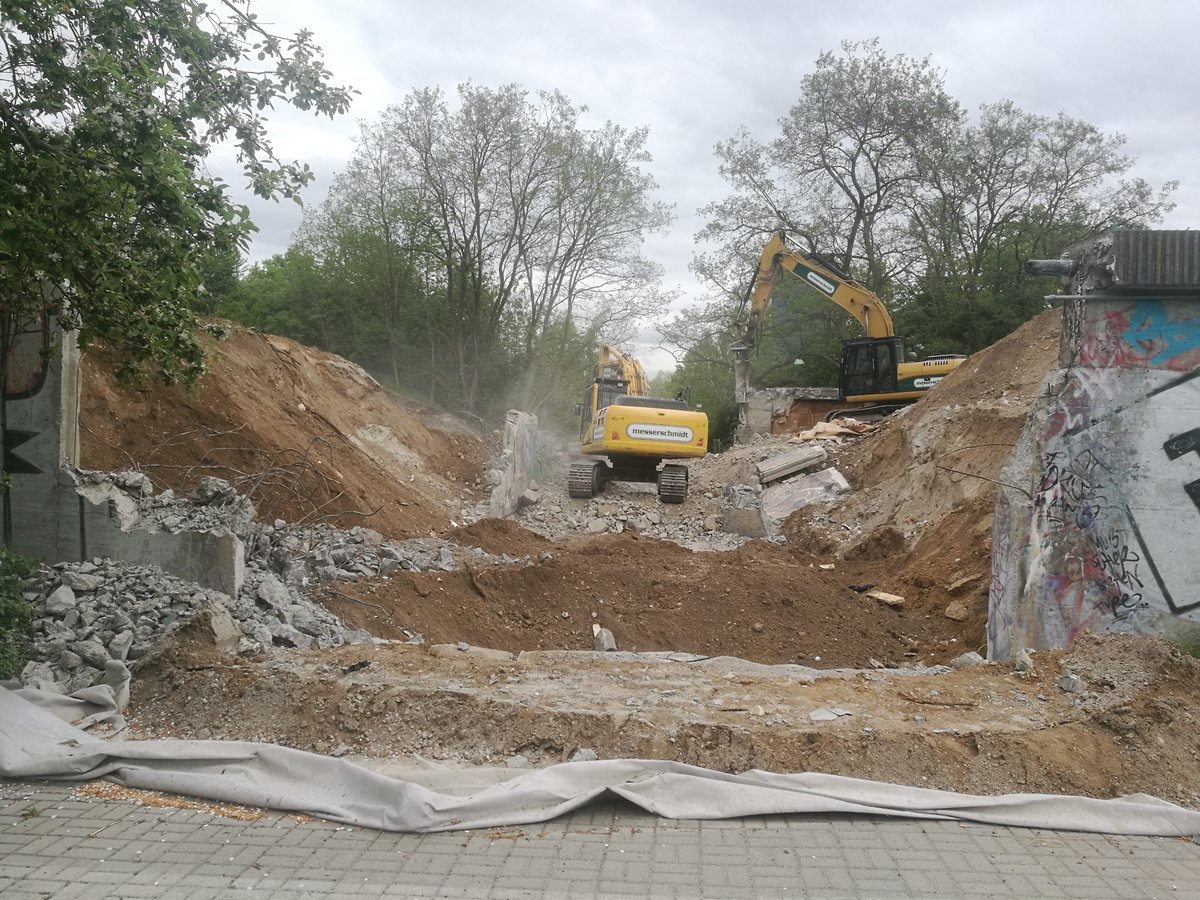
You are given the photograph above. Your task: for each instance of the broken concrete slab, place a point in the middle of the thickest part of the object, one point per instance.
(519, 461)
(831, 714)
(603, 640)
(468, 650)
(966, 660)
(789, 463)
(893, 600)
(60, 602)
(746, 522)
(781, 500)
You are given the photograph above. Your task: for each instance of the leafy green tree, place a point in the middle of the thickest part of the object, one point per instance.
(371, 242)
(847, 157)
(477, 250)
(286, 294)
(699, 340)
(108, 111)
(1011, 186)
(532, 218)
(877, 168)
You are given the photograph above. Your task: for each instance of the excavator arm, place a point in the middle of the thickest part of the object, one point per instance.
(612, 363)
(854, 297)
(873, 367)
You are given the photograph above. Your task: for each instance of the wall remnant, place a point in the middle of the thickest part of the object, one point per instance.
(1098, 507)
(55, 513)
(518, 462)
(778, 410)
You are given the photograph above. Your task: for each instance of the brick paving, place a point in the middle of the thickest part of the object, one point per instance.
(54, 843)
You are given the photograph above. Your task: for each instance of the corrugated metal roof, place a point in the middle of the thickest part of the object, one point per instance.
(1143, 258)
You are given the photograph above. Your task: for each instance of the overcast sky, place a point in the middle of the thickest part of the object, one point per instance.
(695, 71)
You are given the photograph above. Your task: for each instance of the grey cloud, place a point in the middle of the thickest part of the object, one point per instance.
(697, 71)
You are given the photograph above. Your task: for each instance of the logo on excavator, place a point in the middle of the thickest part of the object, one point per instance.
(824, 285)
(924, 384)
(676, 433)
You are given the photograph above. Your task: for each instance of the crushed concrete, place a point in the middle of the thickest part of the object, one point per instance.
(722, 511)
(91, 612)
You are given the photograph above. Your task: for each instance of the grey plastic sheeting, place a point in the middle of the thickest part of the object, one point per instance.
(37, 742)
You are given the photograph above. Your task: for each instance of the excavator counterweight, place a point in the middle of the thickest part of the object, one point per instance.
(630, 435)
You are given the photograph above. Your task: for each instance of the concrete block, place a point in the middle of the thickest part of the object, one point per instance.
(746, 522)
(602, 639)
(781, 500)
(520, 458)
(789, 463)
(1103, 486)
(447, 650)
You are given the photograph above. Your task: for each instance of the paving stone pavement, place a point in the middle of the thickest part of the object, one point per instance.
(55, 842)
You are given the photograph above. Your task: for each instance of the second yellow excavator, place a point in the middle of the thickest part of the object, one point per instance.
(631, 434)
(874, 372)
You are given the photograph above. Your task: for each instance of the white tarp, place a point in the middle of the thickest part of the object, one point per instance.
(36, 742)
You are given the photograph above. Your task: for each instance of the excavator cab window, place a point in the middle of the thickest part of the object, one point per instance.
(601, 393)
(869, 366)
(609, 390)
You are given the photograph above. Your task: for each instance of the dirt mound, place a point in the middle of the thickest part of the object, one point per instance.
(498, 536)
(923, 485)
(758, 602)
(306, 434)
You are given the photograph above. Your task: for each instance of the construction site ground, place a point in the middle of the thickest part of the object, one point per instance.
(779, 664)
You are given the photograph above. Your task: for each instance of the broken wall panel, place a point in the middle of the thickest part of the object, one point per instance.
(519, 462)
(1099, 505)
(784, 410)
(50, 516)
(41, 437)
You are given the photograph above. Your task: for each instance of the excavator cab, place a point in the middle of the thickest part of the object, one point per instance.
(601, 393)
(869, 367)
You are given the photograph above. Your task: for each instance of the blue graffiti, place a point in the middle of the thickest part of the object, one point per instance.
(1150, 328)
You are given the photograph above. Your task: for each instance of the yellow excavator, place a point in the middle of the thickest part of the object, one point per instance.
(875, 374)
(633, 434)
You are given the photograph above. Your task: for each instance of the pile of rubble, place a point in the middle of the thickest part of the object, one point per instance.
(730, 499)
(93, 612)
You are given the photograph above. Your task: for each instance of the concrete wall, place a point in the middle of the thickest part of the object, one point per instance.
(1099, 506)
(520, 461)
(766, 408)
(50, 517)
(41, 410)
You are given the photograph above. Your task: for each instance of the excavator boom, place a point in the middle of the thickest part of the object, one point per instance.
(856, 298)
(874, 368)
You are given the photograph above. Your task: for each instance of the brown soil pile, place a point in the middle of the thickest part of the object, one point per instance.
(307, 435)
(923, 485)
(758, 602)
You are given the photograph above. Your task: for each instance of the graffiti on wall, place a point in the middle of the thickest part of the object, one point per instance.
(1004, 561)
(1102, 540)
(1154, 334)
(1181, 445)
(1092, 572)
(1117, 491)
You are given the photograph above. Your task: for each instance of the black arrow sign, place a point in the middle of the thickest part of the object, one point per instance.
(1180, 445)
(13, 464)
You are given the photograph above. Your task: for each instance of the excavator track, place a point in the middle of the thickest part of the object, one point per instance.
(673, 483)
(583, 480)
